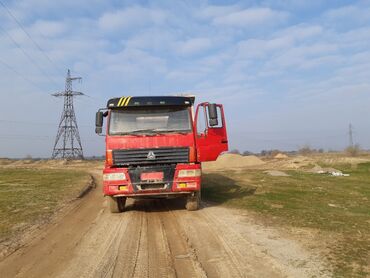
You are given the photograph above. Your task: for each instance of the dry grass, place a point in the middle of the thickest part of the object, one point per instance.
(29, 196)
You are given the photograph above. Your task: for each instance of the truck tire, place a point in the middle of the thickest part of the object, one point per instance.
(116, 204)
(193, 202)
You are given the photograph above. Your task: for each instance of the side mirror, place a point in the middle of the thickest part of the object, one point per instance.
(99, 122)
(212, 114)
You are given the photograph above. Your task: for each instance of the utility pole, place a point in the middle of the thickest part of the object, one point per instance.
(350, 134)
(68, 143)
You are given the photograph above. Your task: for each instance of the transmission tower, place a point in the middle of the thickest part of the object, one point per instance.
(350, 134)
(68, 143)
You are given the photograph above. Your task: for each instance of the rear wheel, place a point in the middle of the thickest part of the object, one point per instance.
(116, 204)
(193, 201)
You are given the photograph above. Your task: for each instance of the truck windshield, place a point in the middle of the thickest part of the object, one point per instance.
(149, 120)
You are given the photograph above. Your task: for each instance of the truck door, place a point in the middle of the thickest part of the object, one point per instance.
(210, 129)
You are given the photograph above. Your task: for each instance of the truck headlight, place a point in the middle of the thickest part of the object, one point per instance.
(189, 173)
(114, 177)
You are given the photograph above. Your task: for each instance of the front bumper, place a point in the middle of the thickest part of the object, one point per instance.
(170, 185)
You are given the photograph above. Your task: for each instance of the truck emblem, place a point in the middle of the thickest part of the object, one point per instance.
(150, 155)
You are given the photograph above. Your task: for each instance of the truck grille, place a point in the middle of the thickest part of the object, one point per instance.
(151, 156)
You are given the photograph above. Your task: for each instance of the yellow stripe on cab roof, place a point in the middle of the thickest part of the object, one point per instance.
(121, 101)
(127, 101)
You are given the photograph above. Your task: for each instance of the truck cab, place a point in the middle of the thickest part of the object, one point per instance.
(155, 146)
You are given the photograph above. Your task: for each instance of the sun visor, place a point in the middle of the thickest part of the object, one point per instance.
(128, 101)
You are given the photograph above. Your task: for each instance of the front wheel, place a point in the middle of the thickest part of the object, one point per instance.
(116, 204)
(193, 202)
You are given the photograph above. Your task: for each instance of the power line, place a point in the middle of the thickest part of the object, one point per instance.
(28, 56)
(36, 123)
(30, 37)
(10, 136)
(21, 75)
(27, 137)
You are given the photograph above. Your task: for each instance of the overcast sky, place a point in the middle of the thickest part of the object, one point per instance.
(289, 72)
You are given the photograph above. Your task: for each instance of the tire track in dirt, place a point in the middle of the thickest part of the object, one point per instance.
(139, 267)
(185, 259)
(159, 254)
(142, 252)
(145, 241)
(95, 254)
(212, 254)
(107, 263)
(160, 250)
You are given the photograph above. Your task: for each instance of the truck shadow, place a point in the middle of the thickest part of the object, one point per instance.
(219, 188)
(156, 205)
(216, 189)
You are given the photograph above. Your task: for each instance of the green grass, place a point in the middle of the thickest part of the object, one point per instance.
(28, 196)
(337, 205)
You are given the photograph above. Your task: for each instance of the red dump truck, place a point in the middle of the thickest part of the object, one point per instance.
(155, 146)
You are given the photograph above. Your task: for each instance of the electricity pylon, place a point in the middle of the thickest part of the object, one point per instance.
(350, 134)
(68, 143)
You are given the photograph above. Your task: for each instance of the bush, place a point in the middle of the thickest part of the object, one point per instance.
(306, 150)
(235, 151)
(353, 150)
(270, 153)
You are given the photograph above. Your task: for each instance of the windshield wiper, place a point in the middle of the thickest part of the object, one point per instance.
(173, 131)
(137, 132)
(178, 131)
(143, 130)
(148, 131)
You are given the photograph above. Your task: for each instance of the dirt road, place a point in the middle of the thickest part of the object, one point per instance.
(158, 238)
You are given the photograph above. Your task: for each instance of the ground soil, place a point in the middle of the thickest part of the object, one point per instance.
(232, 161)
(159, 238)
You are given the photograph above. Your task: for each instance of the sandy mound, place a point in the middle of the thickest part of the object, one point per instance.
(232, 161)
(281, 156)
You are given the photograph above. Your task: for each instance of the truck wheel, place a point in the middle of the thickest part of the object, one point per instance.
(116, 204)
(193, 202)
(121, 203)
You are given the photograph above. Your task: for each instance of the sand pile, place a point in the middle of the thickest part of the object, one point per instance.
(281, 156)
(232, 161)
